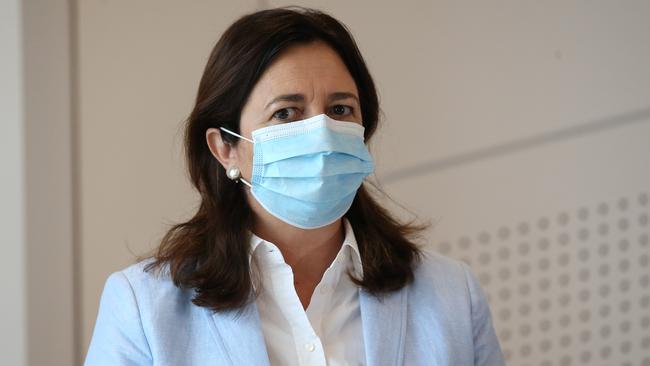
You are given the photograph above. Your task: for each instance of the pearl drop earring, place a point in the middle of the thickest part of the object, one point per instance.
(233, 173)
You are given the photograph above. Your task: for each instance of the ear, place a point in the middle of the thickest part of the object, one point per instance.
(221, 150)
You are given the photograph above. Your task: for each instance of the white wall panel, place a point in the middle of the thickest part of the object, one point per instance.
(558, 235)
(13, 335)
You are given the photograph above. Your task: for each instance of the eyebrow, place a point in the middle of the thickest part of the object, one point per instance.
(301, 98)
(340, 96)
(286, 98)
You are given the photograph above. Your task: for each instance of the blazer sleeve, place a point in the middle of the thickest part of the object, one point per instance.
(118, 338)
(487, 351)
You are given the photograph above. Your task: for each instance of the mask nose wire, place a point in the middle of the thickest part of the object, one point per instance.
(243, 138)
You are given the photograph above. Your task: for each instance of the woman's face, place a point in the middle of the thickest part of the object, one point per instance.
(304, 81)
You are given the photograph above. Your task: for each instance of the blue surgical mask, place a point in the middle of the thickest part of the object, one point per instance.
(306, 173)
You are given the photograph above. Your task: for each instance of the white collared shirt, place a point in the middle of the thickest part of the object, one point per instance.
(329, 331)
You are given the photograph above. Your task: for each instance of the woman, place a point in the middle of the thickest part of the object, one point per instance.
(289, 259)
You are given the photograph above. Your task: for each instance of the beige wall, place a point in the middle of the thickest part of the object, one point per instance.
(519, 127)
(139, 67)
(49, 176)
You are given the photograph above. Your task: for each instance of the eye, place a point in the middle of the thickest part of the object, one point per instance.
(341, 110)
(286, 114)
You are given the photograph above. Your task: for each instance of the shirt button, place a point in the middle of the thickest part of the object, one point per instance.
(310, 347)
(324, 289)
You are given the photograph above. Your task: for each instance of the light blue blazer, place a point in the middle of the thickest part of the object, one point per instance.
(440, 319)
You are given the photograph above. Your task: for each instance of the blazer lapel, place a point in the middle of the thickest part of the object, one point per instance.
(384, 326)
(240, 333)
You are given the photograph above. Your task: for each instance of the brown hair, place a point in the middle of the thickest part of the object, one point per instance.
(210, 252)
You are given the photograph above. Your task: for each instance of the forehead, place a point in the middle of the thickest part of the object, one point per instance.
(305, 68)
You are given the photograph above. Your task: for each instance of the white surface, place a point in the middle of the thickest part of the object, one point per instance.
(12, 190)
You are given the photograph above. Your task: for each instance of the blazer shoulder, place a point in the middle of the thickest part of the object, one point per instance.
(153, 286)
(445, 280)
(141, 272)
(437, 267)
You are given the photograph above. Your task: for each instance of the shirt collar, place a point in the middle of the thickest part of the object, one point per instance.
(348, 241)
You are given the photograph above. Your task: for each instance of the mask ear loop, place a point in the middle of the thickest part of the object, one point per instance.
(245, 182)
(243, 138)
(236, 134)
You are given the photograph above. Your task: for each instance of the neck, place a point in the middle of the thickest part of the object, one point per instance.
(299, 246)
